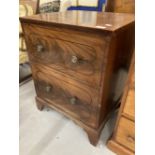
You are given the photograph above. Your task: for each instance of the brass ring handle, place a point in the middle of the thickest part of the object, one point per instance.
(40, 48)
(48, 89)
(74, 59)
(73, 100)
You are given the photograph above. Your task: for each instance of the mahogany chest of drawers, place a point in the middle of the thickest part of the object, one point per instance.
(123, 139)
(75, 59)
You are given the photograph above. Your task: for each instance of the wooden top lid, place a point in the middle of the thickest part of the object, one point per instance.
(83, 19)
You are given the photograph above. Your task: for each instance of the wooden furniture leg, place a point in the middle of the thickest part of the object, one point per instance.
(40, 106)
(93, 137)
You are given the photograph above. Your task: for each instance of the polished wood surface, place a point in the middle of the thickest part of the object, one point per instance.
(73, 97)
(125, 134)
(122, 141)
(81, 60)
(75, 68)
(129, 109)
(86, 19)
(120, 6)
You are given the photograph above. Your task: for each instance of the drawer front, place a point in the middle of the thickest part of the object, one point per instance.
(129, 107)
(125, 134)
(82, 62)
(72, 98)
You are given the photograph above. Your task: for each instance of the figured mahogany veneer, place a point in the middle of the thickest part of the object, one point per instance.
(70, 96)
(76, 58)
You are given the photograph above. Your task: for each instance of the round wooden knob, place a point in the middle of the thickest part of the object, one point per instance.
(73, 100)
(74, 59)
(40, 48)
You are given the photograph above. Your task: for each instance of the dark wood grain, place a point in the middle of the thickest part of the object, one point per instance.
(82, 88)
(59, 54)
(73, 97)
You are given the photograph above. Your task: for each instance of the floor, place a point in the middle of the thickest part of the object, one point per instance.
(48, 132)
